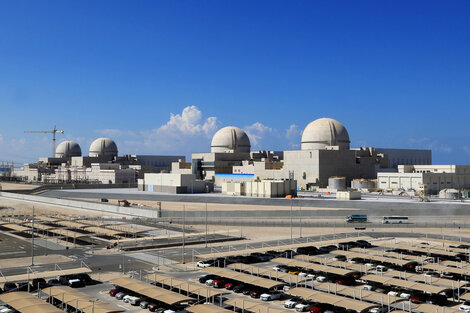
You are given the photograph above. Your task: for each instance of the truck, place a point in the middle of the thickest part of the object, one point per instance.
(356, 218)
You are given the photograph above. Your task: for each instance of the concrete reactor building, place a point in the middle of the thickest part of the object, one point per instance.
(325, 153)
(101, 166)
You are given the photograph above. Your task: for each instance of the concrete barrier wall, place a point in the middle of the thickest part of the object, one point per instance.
(91, 206)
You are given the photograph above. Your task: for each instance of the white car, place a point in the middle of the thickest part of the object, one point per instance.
(286, 288)
(276, 295)
(367, 287)
(209, 282)
(302, 274)
(289, 304)
(405, 295)
(465, 307)
(311, 276)
(352, 261)
(381, 268)
(392, 294)
(300, 307)
(379, 310)
(126, 298)
(203, 264)
(321, 279)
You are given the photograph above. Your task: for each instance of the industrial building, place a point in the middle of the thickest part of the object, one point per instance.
(325, 152)
(427, 179)
(101, 166)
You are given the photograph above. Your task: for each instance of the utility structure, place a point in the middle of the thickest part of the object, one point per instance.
(53, 132)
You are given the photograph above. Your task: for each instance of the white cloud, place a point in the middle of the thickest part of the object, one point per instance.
(257, 132)
(293, 134)
(183, 133)
(110, 132)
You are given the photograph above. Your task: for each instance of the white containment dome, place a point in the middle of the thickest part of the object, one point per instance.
(67, 149)
(103, 147)
(325, 132)
(230, 139)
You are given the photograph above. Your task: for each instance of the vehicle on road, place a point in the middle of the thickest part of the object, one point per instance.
(395, 220)
(356, 218)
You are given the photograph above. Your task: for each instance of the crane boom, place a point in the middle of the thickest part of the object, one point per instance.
(53, 132)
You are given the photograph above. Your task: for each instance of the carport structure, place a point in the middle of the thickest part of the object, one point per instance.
(47, 274)
(322, 297)
(153, 292)
(275, 248)
(375, 258)
(442, 268)
(267, 273)
(245, 278)
(401, 283)
(253, 306)
(103, 231)
(71, 224)
(425, 251)
(207, 308)
(393, 255)
(184, 286)
(316, 267)
(421, 278)
(358, 293)
(72, 298)
(16, 227)
(27, 303)
(361, 268)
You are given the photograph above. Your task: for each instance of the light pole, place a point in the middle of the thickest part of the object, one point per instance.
(32, 242)
(291, 238)
(300, 218)
(206, 224)
(184, 221)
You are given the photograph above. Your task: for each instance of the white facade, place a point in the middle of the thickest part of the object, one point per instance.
(427, 178)
(261, 189)
(173, 183)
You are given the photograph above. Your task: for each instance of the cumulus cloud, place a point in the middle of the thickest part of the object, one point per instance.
(184, 133)
(257, 132)
(293, 134)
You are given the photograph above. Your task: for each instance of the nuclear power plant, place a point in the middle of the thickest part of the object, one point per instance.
(325, 160)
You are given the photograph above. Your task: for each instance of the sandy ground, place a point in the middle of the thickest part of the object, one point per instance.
(20, 207)
(191, 206)
(13, 186)
(38, 260)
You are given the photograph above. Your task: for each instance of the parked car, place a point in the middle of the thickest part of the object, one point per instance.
(144, 305)
(339, 257)
(321, 308)
(302, 306)
(363, 244)
(114, 291)
(218, 283)
(269, 296)
(120, 295)
(437, 300)
(256, 293)
(204, 278)
(239, 288)
(465, 307)
(204, 264)
(54, 282)
(292, 302)
(9, 287)
(85, 278)
(418, 297)
(279, 267)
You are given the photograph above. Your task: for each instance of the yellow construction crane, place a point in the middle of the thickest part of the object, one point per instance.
(55, 130)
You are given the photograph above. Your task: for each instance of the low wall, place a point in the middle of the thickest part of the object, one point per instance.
(90, 206)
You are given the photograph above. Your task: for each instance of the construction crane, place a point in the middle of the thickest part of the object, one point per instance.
(53, 132)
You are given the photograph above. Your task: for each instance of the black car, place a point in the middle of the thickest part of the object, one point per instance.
(363, 244)
(85, 278)
(437, 299)
(54, 282)
(24, 286)
(239, 288)
(10, 287)
(309, 250)
(204, 278)
(327, 249)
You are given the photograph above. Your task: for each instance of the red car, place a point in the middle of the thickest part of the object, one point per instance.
(113, 292)
(255, 293)
(218, 283)
(229, 286)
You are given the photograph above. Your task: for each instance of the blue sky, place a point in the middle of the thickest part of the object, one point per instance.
(163, 76)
